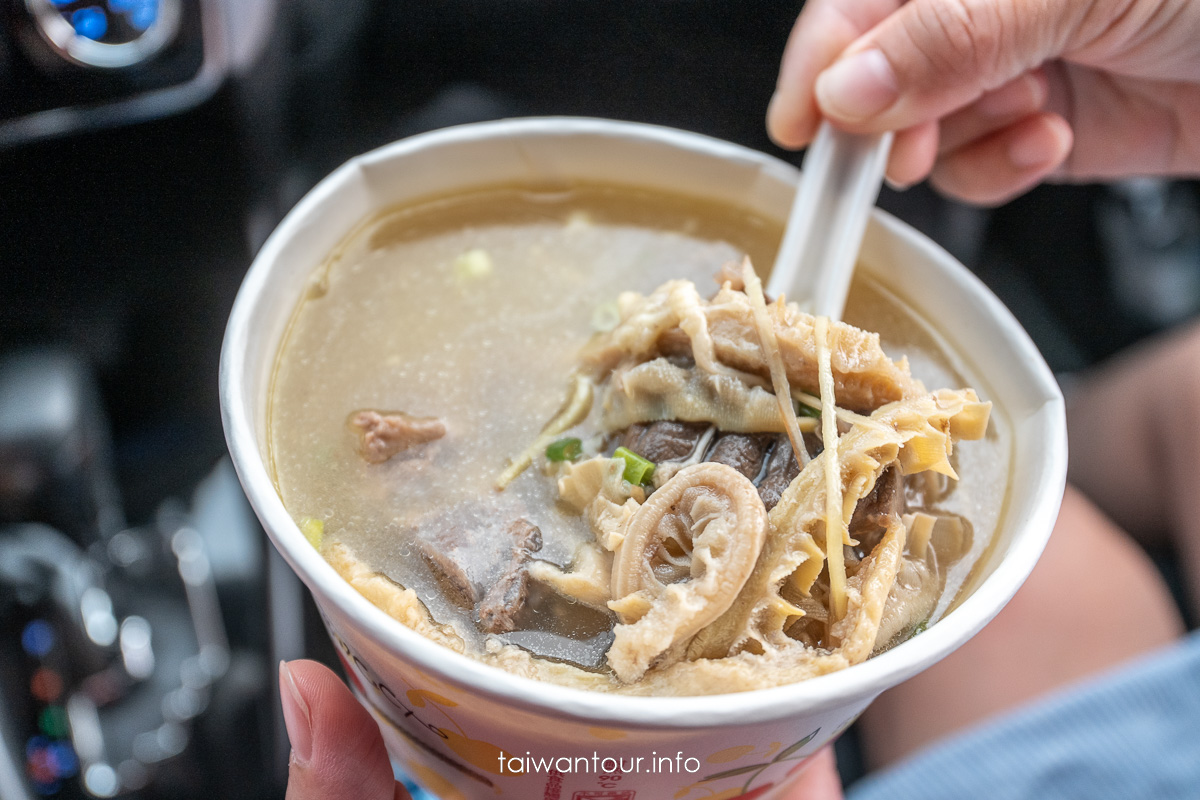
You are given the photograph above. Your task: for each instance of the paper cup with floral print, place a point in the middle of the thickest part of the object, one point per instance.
(468, 731)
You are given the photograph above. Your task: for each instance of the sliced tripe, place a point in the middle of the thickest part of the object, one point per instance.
(920, 530)
(674, 307)
(770, 349)
(856, 633)
(758, 618)
(662, 390)
(687, 552)
(588, 580)
(652, 326)
(913, 600)
(596, 489)
(695, 325)
(581, 482)
(836, 532)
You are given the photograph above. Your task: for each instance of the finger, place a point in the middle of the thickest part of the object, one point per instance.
(933, 57)
(823, 29)
(819, 781)
(1125, 126)
(997, 109)
(1007, 162)
(913, 154)
(337, 752)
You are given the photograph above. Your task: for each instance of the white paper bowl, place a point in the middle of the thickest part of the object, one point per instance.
(444, 716)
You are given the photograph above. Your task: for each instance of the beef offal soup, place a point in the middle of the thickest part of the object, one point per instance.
(563, 432)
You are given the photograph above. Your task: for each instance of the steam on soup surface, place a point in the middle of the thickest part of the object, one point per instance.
(437, 343)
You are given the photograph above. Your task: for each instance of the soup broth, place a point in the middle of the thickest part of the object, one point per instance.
(471, 310)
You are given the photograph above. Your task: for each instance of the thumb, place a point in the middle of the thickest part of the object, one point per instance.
(932, 57)
(337, 752)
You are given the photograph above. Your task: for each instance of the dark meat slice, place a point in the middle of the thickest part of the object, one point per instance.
(454, 579)
(782, 469)
(481, 557)
(873, 513)
(745, 452)
(814, 444)
(460, 549)
(670, 440)
(382, 436)
(665, 440)
(507, 595)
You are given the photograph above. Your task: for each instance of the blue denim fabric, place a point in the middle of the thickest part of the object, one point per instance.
(1131, 734)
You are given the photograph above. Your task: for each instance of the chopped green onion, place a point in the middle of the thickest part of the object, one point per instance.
(567, 449)
(637, 469)
(606, 316)
(473, 264)
(920, 628)
(578, 220)
(805, 410)
(313, 530)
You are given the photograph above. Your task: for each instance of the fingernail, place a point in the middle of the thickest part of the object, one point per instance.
(296, 717)
(772, 109)
(896, 186)
(1029, 149)
(781, 125)
(858, 87)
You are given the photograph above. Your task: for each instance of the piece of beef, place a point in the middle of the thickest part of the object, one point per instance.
(665, 440)
(459, 545)
(507, 595)
(782, 469)
(814, 444)
(481, 556)
(382, 436)
(670, 440)
(745, 452)
(764, 458)
(453, 577)
(873, 513)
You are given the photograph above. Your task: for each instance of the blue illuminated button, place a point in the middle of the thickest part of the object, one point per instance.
(123, 6)
(144, 14)
(35, 745)
(61, 3)
(63, 759)
(38, 638)
(90, 23)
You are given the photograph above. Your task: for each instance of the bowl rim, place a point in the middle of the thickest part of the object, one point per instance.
(854, 684)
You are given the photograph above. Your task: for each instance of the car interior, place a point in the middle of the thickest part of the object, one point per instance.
(149, 147)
